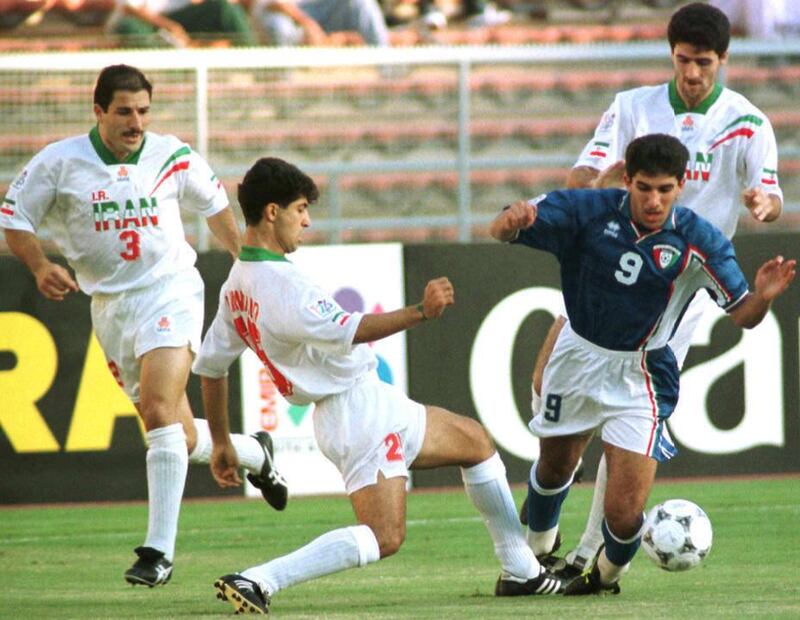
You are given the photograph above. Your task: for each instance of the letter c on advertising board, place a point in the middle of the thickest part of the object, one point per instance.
(490, 368)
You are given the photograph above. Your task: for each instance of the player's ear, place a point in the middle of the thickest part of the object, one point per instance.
(271, 211)
(97, 111)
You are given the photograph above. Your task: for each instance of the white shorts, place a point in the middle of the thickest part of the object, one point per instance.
(167, 314)
(628, 395)
(372, 427)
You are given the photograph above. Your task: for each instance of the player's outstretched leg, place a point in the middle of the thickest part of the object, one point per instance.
(245, 595)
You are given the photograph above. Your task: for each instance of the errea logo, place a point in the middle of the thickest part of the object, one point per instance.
(612, 229)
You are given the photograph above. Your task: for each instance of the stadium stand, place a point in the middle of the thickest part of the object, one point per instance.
(542, 114)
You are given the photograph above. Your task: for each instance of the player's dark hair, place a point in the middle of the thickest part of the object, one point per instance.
(701, 25)
(656, 154)
(119, 77)
(273, 180)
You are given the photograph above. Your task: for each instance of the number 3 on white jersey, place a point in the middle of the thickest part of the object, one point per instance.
(630, 264)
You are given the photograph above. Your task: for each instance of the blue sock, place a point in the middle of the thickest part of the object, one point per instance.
(619, 551)
(544, 505)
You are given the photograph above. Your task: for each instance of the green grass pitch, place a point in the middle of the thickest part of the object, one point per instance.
(67, 562)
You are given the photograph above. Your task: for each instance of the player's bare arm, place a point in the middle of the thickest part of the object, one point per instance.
(772, 279)
(52, 280)
(224, 463)
(224, 227)
(438, 295)
(587, 177)
(512, 219)
(762, 206)
(581, 177)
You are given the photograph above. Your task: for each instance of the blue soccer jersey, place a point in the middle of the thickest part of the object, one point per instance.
(625, 288)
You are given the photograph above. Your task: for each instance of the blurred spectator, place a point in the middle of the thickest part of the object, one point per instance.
(762, 19)
(478, 14)
(85, 12)
(177, 21)
(322, 22)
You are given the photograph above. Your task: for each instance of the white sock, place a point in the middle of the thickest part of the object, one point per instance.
(332, 552)
(487, 487)
(166, 476)
(249, 451)
(592, 536)
(542, 543)
(610, 572)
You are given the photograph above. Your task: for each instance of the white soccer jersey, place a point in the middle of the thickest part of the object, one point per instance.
(118, 224)
(731, 145)
(300, 334)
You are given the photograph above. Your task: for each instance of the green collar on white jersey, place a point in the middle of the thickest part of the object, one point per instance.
(250, 254)
(106, 155)
(679, 107)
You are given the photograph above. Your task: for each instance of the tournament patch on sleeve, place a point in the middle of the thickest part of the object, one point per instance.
(328, 309)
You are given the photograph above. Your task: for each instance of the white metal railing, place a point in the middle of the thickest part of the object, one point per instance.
(201, 61)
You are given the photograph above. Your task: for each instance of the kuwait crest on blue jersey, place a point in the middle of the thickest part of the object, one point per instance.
(665, 256)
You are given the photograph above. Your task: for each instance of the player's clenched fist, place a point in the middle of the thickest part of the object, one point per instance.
(515, 217)
(438, 295)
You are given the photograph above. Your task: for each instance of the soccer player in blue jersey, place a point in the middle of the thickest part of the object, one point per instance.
(631, 262)
(733, 160)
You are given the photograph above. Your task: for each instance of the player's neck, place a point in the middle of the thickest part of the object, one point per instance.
(692, 103)
(255, 237)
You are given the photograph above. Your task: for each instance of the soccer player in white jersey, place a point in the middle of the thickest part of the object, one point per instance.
(733, 160)
(316, 352)
(630, 262)
(110, 200)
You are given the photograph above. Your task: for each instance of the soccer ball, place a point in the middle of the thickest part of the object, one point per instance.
(677, 535)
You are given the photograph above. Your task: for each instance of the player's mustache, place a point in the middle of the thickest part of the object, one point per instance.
(132, 133)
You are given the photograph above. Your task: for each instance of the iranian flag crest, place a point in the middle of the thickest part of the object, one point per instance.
(665, 256)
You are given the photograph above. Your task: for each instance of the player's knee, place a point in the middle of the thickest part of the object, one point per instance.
(552, 475)
(157, 413)
(390, 540)
(483, 446)
(624, 521)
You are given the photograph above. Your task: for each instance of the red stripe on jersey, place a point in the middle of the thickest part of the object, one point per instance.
(6, 211)
(744, 131)
(597, 154)
(344, 319)
(183, 165)
(769, 181)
